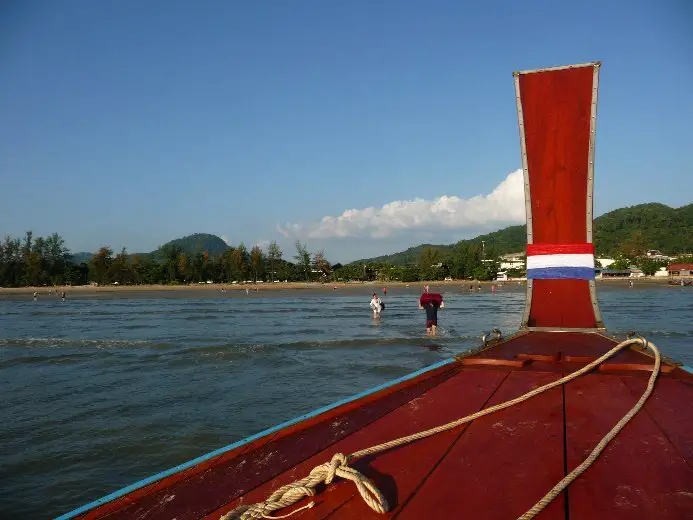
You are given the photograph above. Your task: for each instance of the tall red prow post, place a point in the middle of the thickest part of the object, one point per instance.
(557, 111)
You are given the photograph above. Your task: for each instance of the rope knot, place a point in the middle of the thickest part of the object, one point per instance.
(339, 460)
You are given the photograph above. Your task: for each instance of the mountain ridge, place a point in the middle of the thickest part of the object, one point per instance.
(660, 227)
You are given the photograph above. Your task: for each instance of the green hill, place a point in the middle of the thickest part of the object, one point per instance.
(82, 257)
(196, 243)
(659, 227)
(190, 245)
(652, 225)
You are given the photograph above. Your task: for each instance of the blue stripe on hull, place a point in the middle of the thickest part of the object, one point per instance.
(172, 471)
(561, 273)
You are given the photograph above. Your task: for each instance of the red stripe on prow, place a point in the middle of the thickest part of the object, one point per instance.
(560, 249)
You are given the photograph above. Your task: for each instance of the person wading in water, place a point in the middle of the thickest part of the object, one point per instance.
(431, 302)
(376, 305)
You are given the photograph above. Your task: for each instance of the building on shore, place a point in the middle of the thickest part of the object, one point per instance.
(613, 273)
(683, 269)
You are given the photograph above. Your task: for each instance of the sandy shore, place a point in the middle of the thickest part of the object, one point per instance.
(86, 290)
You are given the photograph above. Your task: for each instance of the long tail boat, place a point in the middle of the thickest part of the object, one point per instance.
(602, 429)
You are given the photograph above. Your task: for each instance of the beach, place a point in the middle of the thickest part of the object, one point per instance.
(93, 290)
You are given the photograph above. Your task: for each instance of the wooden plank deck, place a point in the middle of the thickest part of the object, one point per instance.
(641, 474)
(495, 468)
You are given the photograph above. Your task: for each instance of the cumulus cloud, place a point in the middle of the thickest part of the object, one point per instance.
(504, 205)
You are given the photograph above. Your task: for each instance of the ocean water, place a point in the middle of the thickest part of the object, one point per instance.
(99, 392)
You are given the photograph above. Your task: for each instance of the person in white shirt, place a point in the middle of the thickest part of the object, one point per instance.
(376, 305)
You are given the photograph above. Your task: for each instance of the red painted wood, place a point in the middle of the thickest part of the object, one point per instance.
(572, 345)
(549, 358)
(194, 497)
(556, 108)
(513, 363)
(398, 472)
(561, 304)
(669, 406)
(627, 367)
(503, 463)
(639, 475)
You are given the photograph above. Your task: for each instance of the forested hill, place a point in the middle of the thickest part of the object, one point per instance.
(507, 240)
(656, 226)
(190, 245)
(197, 243)
(645, 226)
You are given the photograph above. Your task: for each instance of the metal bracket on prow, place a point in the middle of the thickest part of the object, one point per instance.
(496, 332)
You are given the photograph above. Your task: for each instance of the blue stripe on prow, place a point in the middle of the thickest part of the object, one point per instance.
(561, 273)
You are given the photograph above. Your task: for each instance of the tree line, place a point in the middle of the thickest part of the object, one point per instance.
(39, 261)
(465, 260)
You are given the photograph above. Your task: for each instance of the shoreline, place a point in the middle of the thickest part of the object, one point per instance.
(86, 290)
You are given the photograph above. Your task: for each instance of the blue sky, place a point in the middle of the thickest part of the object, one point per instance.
(132, 123)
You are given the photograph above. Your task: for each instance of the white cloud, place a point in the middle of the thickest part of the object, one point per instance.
(504, 205)
(226, 239)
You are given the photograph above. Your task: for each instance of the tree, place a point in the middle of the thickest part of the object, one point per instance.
(256, 261)
(274, 254)
(321, 264)
(183, 267)
(429, 263)
(239, 260)
(119, 270)
(57, 258)
(303, 259)
(101, 263)
(620, 263)
(650, 266)
(171, 252)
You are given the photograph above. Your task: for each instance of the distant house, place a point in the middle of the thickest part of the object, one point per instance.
(615, 273)
(656, 254)
(681, 269)
(512, 261)
(635, 272)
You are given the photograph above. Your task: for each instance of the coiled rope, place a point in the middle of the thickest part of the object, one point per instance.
(339, 465)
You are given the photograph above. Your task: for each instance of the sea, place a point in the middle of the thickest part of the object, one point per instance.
(100, 391)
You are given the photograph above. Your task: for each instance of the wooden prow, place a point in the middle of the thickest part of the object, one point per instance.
(557, 110)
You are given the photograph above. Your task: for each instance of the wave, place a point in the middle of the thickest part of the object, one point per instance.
(71, 342)
(64, 359)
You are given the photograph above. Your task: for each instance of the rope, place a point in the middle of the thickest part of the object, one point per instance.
(338, 466)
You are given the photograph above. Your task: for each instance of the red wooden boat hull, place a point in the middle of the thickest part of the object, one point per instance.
(499, 465)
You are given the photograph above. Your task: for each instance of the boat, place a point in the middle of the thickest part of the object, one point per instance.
(558, 420)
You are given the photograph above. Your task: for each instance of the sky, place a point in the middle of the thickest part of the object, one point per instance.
(358, 127)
